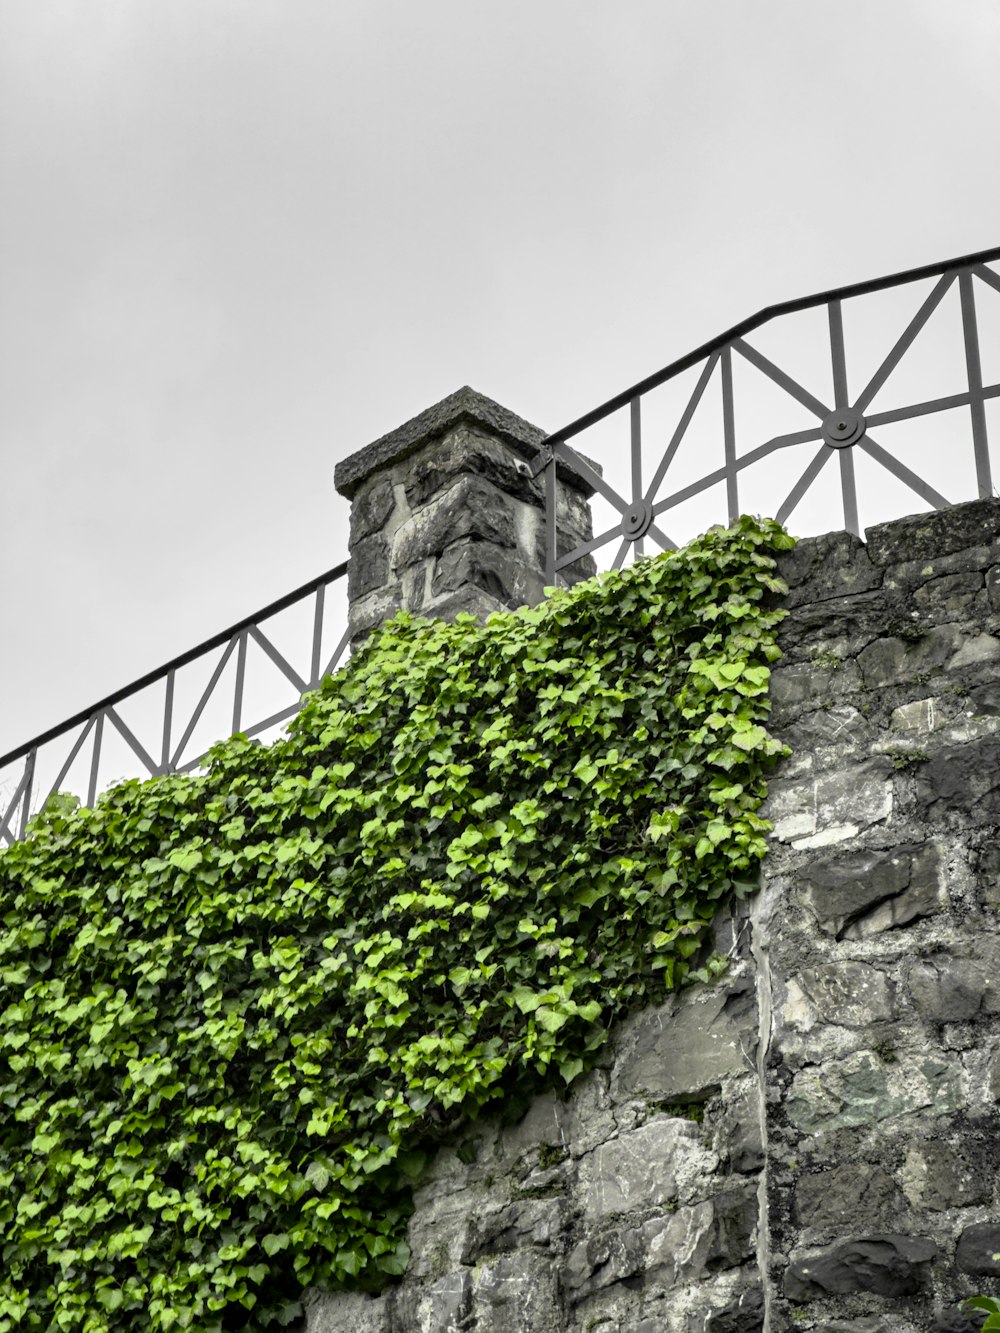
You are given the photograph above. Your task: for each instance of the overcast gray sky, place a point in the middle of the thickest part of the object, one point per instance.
(239, 239)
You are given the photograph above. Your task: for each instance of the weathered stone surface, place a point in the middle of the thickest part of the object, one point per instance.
(504, 575)
(369, 566)
(368, 612)
(684, 1049)
(745, 1315)
(922, 717)
(471, 508)
(937, 1177)
(467, 449)
(979, 1249)
(854, 994)
(859, 894)
(833, 807)
(371, 507)
(636, 1170)
(517, 1291)
(856, 1194)
(822, 684)
(465, 407)
(931, 536)
(839, 626)
(347, 1310)
(833, 565)
(951, 596)
(892, 661)
(889, 1265)
(862, 1089)
(839, 725)
(962, 778)
(947, 990)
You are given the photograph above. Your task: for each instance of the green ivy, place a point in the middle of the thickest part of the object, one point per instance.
(237, 1009)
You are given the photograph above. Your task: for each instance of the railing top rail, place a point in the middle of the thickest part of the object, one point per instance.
(151, 677)
(746, 326)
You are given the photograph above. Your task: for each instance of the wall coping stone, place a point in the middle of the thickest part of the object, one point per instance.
(465, 406)
(940, 533)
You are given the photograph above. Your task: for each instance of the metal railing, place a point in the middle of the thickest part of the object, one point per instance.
(842, 424)
(172, 746)
(841, 427)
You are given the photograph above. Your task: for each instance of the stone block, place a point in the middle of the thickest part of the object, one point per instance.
(977, 650)
(962, 779)
(848, 993)
(796, 686)
(471, 508)
(467, 601)
(333, 1312)
(744, 1315)
(979, 1249)
(369, 566)
(854, 1194)
(841, 626)
(922, 717)
(896, 660)
(839, 725)
(516, 1291)
(937, 1177)
(889, 1265)
(833, 807)
(638, 1169)
(370, 508)
(862, 1090)
(502, 574)
(951, 597)
(374, 609)
(677, 1248)
(469, 450)
(862, 893)
(820, 568)
(932, 536)
(946, 989)
(685, 1049)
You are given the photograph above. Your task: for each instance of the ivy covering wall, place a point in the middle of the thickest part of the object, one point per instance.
(238, 1008)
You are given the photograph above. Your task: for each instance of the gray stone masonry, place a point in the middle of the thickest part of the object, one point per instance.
(814, 1141)
(446, 516)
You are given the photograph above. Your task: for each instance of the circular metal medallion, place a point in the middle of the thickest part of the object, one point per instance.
(637, 519)
(843, 428)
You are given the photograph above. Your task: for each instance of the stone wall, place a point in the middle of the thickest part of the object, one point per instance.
(813, 1142)
(877, 930)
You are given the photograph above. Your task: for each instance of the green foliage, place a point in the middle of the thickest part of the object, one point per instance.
(237, 1009)
(992, 1322)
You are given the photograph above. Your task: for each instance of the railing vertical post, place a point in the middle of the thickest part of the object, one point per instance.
(841, 396)
(550, 521)
(977, 405)
(168, 720)
(637, 497)
(729, 428)
(317, 643)
(241, 665)
(95, 759)
(29, 778)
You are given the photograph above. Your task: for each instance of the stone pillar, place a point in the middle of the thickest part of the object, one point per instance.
(447, 517)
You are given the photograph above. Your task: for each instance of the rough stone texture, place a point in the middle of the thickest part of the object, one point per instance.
(814, 1141)
(447, 517)
(879, 952)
